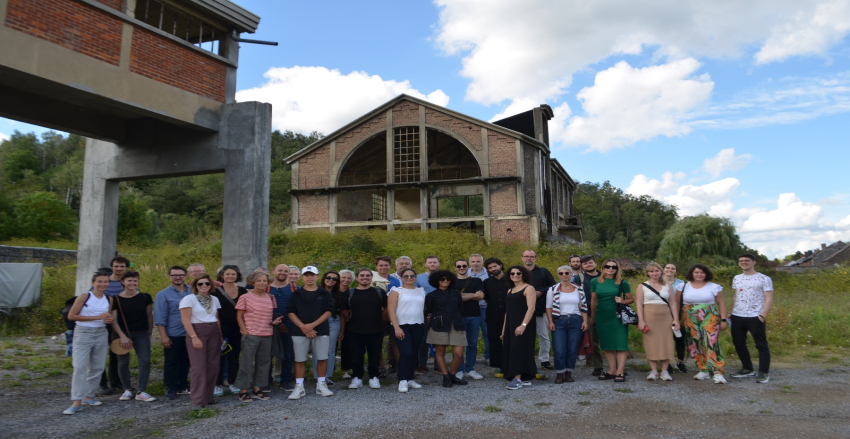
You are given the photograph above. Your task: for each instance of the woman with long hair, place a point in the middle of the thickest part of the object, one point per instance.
(406, 308)
(228, 295)
(567, 312)
(330, 282)
(655, 316)
(132, 321)
(443, 308)
(91, 313)
(199, 314)
(519, 330)
(609, 290)
(670, 272)
(704, 315)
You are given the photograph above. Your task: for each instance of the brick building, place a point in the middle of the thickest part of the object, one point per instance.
(412, 164)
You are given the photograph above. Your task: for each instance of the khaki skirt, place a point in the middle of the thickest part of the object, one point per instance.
(452, 338)
(658, 341)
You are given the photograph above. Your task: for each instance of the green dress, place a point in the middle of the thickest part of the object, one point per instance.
(613, 335)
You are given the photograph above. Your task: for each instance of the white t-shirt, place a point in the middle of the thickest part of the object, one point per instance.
(568, 302)
(650, 298)
(199, 314)
(697, 296)
(749, 294)
(94, 307)
(411, 306)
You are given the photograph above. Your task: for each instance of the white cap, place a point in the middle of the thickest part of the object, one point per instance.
(310, 269)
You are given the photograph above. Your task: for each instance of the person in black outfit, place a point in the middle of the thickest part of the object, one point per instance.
(495, 292)
(518, 331)
(443, 314)
(364, 309)
(582, 279)
(228, 294)
(541, 280)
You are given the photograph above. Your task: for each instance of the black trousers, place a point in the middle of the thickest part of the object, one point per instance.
(234, 339)
(362, 344)
(112, 370)
(680, 347)
(494, 331)
(175, 370)
(753, 325)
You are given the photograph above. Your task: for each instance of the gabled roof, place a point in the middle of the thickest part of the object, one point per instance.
(403, 97)
(836, 253)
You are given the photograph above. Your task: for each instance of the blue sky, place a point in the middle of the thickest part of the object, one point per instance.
(738, 110)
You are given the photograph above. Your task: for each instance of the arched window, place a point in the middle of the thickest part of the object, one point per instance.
(448, 158)
(368, 164)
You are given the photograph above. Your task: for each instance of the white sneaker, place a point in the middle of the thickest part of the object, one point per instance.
(356, 383)
(374, 383)
(218, 391)
(413, 384)
(322, 389)
(653, 375)
(665, 376)
(298, 392)
(475, 375)
(402, 386)
(345, 375)
(126, 396)
(702, 376)
(718, 379)
(234, 389)
(143, 396)
(581, 358)
(459, 374)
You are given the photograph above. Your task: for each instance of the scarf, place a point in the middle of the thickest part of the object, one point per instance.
(206, 302)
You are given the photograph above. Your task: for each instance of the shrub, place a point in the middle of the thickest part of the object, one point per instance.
(44, 216)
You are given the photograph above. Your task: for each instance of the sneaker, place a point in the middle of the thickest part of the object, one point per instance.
(665, 376)
(547, 365)
(218, 391)
(171, 394)
(515, 384)
(329, 382)
(702, 376)
(458, 381)
(356, 383)
(287, 386)
(526, 383)
(183, 392)
(105, 391)
(126, 396)
(743, 373)
(581, 358)
(234, 389)
(718, 379)
(346, 376)
(298, 393)
(475, 375)
(374, 383)
(322, 389)
(682, 368)
(71, 410)
(143, 396)
(762, 378)
(653, 375)
(413, 384)
(459, 375)
(91, 401)
(402, 386)
(596, 372)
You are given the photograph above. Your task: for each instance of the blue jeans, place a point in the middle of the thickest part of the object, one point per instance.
(334, 336)
(471, 326)
(483, 324)
(565, 339)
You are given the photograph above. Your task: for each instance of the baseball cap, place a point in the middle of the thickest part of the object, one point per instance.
(309, 269)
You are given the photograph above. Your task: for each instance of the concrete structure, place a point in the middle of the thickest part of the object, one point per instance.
(412, 164)
(152, 84)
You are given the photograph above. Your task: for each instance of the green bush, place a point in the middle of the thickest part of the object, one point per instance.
(181, 228)
(44, 216)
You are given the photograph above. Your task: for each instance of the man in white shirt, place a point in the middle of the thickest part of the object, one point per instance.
(753, 300)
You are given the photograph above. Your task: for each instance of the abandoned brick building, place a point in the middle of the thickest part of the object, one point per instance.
(412, 164)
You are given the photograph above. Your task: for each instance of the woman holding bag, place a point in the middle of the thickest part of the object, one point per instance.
(655, 316)
(610, 290)
(132, 315)
(228, 295)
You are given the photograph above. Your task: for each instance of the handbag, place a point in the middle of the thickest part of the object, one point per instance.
(115, 346)
(625, 314)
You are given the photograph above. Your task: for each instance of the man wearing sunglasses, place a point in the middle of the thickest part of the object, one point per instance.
(471, 291)
(541, 280)
(588, 273)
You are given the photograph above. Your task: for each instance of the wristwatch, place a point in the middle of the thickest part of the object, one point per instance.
(525, 324)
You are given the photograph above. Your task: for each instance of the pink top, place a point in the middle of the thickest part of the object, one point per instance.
(258, 313)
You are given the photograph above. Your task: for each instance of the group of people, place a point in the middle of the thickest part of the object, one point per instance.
(240, 338)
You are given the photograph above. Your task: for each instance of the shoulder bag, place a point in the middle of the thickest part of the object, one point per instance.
(625, 313)
(115, 346)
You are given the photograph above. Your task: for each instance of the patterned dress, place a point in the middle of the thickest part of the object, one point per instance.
(701, 326)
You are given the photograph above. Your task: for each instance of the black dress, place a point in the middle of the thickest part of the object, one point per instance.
(518, 355)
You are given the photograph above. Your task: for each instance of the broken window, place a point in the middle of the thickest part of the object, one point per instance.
(181, 23)
(363, 205)
(448, 158)
(368, 164)
(406, 154)
(459, 206)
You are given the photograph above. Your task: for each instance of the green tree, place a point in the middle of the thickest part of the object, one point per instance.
(287, 143)
(701, 238)
(135, 222)
(44, 216)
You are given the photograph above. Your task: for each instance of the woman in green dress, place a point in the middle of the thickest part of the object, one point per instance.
(607, 291)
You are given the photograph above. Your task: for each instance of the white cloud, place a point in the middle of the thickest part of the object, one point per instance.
(4, 137)
(643, 185)
(712, 198)
(809, 33)
(790, 213)
(725, 160)
(301, 96)
(627, 104)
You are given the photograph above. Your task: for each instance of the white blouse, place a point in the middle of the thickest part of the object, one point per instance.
(698, 296)
(199, 313)
(411, 306)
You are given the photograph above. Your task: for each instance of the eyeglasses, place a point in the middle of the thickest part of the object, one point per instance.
(203, 284)
(331, 278)
(445, 279)
(516, 273)
(409, 276)
(461, 266)
(610, 267)
(563, 273)
(177, 275)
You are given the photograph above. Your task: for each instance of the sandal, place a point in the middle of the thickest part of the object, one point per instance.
(260, 395)
(244, 397)
(605, 376)
(619, 379)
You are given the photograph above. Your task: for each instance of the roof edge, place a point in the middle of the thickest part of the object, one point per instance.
(240, 18)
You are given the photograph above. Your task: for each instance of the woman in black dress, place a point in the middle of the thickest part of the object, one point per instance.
(518, 335)
(228, 294)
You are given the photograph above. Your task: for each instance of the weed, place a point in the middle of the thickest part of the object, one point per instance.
(541, 405)
(517, 400)
(122, 423)
(624, 390)
(201, 413)
(584, 393)
(54, 373)
(766, 412)
(492, 409)
(752, 401)
(584, 403)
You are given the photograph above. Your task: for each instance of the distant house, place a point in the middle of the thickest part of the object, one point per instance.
(411, 164)
(825, 256)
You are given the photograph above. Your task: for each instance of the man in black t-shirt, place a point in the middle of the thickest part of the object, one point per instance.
(495, 293)
(364, 309)
(471, 291)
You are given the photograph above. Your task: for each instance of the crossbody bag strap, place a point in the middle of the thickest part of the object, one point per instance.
(121, 311)
(657, 293)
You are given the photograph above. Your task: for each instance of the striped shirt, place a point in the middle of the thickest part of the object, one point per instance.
(258, 313)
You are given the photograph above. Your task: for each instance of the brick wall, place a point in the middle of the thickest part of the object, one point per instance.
(520, 231)
(313, 209)
(69, 24)
(529, 180)
(47, 256)
(114, 4)
(406, 113)
(168, 62)
(503, 199)
(356, 135)
(502, 154)
(470, 132)
(313, 168)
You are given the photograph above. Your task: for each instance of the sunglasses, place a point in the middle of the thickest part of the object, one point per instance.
(331, 278)
(409, 276)
(203, 284)
(516, 273)
(610, 267)
(445, 279)
(461, 266)
(563, 273)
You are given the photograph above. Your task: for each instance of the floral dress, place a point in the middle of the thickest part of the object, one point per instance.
(701, 325)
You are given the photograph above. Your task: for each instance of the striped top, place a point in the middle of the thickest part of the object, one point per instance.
(575, 303)
(258, 313)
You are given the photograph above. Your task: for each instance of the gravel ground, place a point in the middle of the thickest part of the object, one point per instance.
(798, 402)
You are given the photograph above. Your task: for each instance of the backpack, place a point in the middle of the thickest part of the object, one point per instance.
(71, 324)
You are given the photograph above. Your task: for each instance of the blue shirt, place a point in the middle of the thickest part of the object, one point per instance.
(422, 282)
(281, 296)
(394, 282)
(166, 311)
